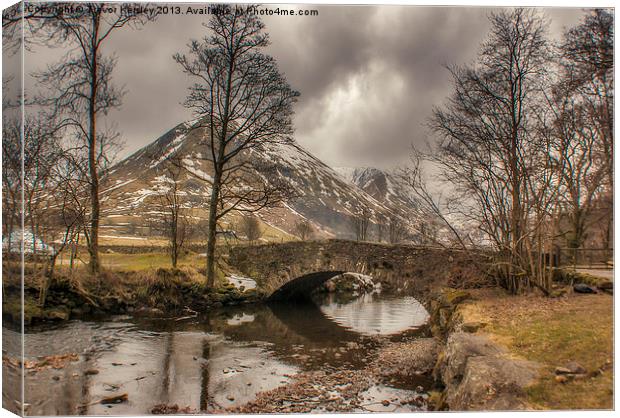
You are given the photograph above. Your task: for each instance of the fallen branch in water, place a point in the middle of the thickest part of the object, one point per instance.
(192, 314)
(90, 298)
(114, 399)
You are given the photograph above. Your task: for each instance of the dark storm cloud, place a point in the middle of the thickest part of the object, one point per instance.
(369, 76)
(373, 73)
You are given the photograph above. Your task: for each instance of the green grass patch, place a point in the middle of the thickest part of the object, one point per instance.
(140, 261)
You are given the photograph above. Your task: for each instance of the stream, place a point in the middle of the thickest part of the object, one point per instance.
(209, 362)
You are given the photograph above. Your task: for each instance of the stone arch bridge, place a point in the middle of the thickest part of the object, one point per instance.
(292, 270)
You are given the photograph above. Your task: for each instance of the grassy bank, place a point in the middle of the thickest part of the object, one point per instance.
(128, 283)
(553, 332)
(140, 261)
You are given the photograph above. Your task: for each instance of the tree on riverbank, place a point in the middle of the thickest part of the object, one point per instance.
(488, 147)
(523, 143)
(243, 102)
(66, 215)
(78, 89)
(53, 185)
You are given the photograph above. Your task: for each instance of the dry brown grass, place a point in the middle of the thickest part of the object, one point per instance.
(553, 332)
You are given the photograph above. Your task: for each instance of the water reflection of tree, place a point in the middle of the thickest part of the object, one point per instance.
(204, 393)
(164, 396)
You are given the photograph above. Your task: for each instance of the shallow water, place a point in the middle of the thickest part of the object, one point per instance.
(217, 360)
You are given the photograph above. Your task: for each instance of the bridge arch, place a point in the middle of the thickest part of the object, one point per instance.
(301, 287)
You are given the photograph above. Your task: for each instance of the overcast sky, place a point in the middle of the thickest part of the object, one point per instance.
(368, 76)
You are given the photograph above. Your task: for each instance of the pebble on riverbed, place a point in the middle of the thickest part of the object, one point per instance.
(164, 409)
(338, 390)
(416, 357)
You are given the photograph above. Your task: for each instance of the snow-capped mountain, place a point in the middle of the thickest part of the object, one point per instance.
(384, 186)
(133, 188)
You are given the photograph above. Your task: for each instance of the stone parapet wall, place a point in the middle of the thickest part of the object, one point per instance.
(274, 265)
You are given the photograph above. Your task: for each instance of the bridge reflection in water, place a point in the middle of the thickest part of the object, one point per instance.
(220, 359)
(369, 315)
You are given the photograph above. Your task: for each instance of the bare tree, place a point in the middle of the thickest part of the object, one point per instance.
(582, 105)
(12, 29)
(243, 103)
(489, 148)
(176, 223)
(396, 229)
(28, 174)
(66, 216)
(431, 208)
(11, 179)
(250, 227)
(360, 223)
(581, 173)
(304, 229)
(53, 191)
(587, 63)
(79, 87)
(42, 152)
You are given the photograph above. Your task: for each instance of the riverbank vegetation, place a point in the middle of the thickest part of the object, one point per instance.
(139, 284)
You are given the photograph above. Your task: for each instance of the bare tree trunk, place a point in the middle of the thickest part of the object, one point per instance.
(212, 232)
(243, 109)
(49, 276)
(93, 247)
(175, 255)
(174, 235)
(77, 96)
(74, 250)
